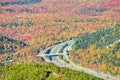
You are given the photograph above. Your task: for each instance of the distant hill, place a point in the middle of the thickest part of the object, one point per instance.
(8, 45)
(19, 2)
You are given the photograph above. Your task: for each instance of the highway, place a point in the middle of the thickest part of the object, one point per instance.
(66, 62)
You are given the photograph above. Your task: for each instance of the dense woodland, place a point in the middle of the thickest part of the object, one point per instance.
(8, 45)
(100, 49)
(102, 38)
(19, 2)
(41, 72)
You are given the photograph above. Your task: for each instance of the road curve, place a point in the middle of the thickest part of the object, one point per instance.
(68, 63)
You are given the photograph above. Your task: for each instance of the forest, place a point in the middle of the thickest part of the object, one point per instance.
(20, 2)
(100, 49)
(28, 24)
(8, 45)
(41, 72)
(101, 38)
(34, 25)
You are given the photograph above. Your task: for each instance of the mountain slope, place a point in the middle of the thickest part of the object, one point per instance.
(100, 49)
(8, 45)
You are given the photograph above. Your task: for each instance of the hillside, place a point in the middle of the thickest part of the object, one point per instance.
(43, 23)
(8, 45)
(102, 38)
(34, 20)
(41, 72)
(100, 49)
